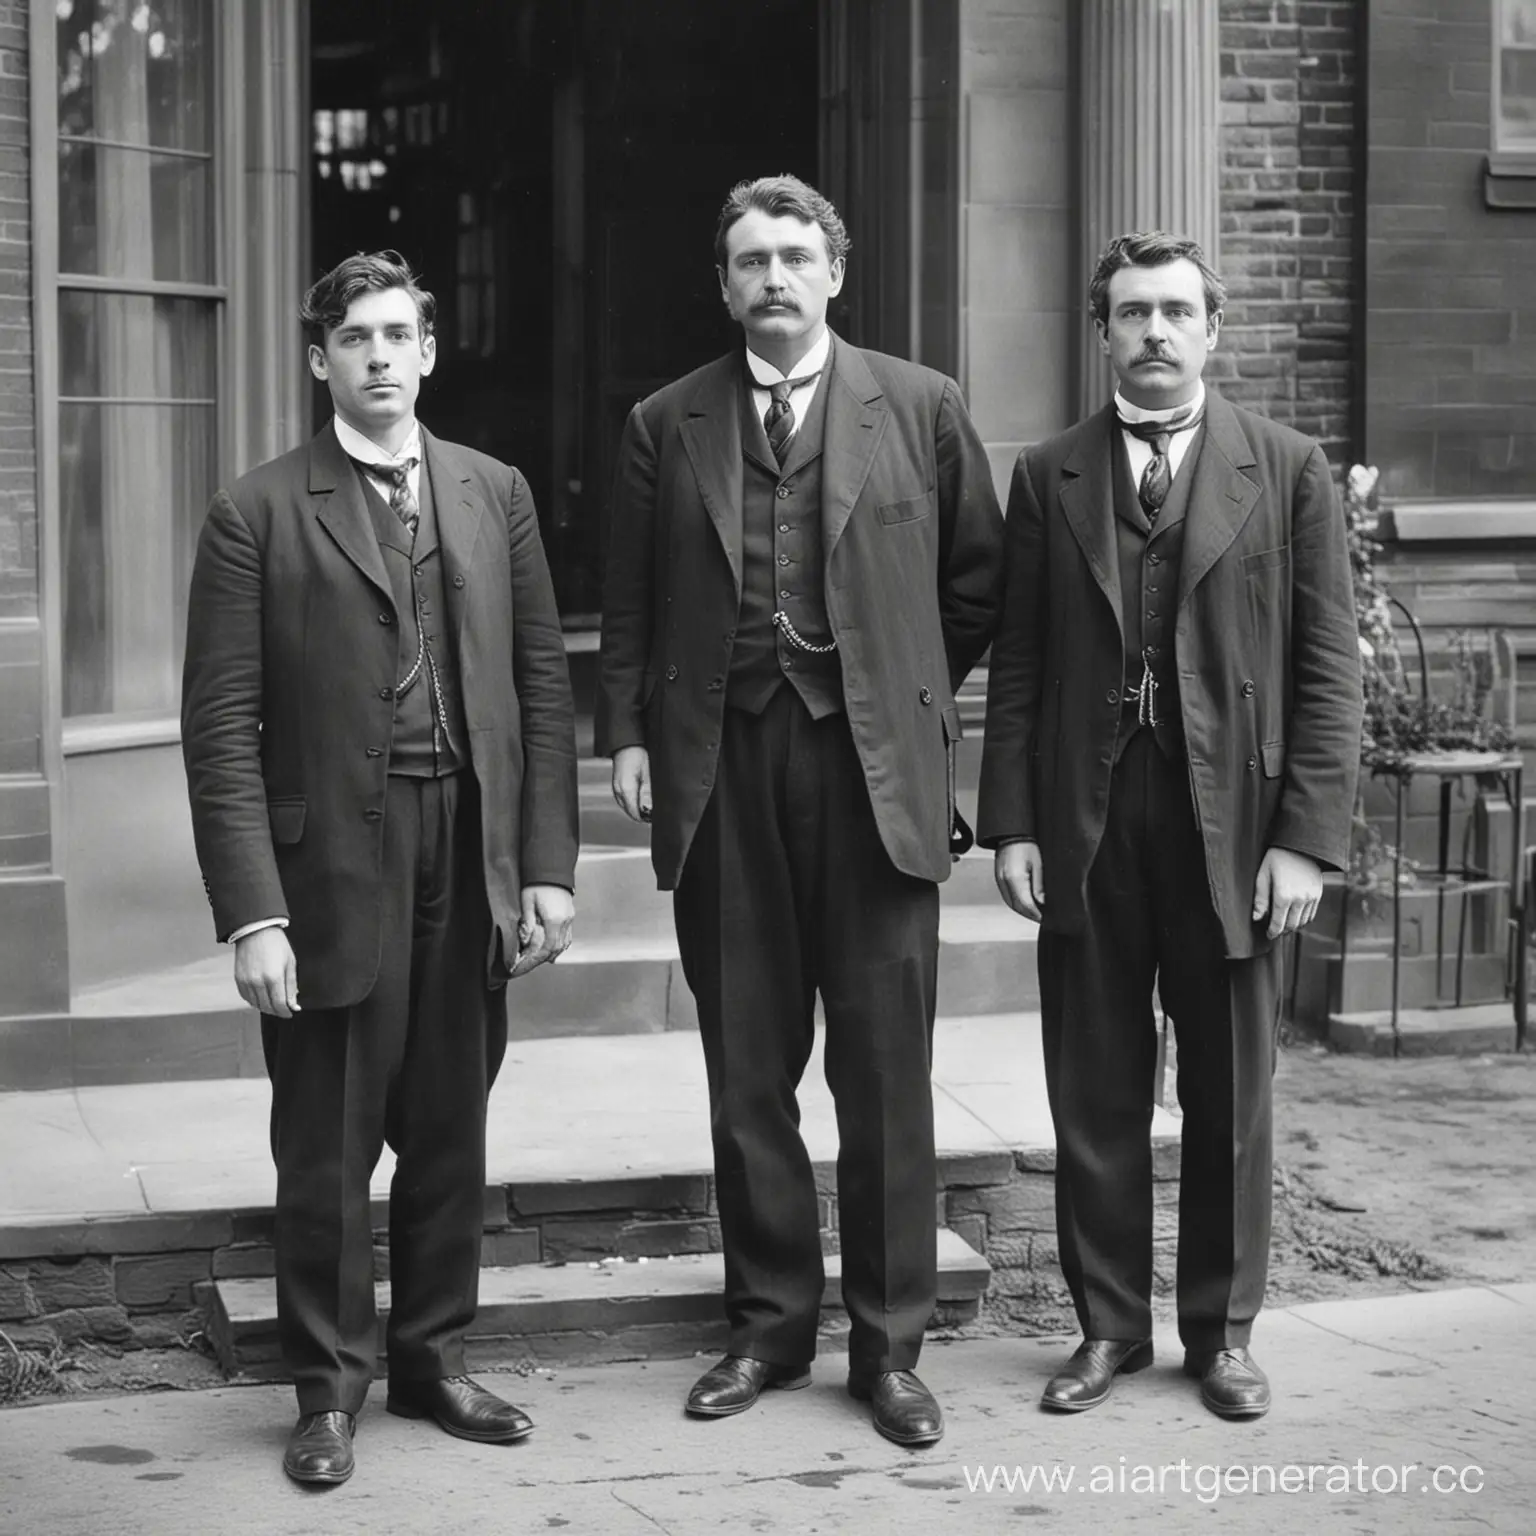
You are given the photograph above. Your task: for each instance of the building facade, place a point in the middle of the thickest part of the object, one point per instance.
(174, 172)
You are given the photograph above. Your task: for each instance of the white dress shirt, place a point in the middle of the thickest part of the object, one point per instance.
(764, 374)
(1140, 453)
(356, 446)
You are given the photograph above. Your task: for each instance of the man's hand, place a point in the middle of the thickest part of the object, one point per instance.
(1289, 887)
(632, 782)
(545, 930)
(266, 974)
(1020, 875)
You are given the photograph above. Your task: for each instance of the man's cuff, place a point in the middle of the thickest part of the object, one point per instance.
(266, 922)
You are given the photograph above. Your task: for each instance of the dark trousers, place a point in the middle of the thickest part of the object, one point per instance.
(788, 890)
(1150, 918)
(410, 1065)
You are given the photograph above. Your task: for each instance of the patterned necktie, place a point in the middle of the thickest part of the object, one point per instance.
(401, 502)
(1157, 477)
(778, 419)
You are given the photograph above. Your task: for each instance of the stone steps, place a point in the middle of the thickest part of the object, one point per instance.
(577, 1313)
(1466, 1031)
(620, 976)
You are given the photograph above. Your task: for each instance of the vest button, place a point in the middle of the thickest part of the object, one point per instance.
(785, 593)
(782, 493)
(1247, 688)
(783, 527)
(672, 673)
(374, 751)
(925, 696)
(1113, 696)
(783, 559)
(384, 618)
(1253, 763)
(458, 581)
(386, 693)
(372, 814)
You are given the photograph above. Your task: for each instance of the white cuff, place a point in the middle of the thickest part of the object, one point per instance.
(266, 922)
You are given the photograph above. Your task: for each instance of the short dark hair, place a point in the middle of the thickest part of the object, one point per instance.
(325, 306)
(1151, 248)
(778, 197)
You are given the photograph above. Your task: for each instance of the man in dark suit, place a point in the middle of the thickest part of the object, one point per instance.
(1172, 744)
(804, 562)
(380, 751)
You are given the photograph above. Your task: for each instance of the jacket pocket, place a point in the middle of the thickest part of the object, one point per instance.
(908, 511)
(287, 818)
(1273, 754)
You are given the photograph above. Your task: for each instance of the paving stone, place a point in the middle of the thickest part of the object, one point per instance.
(512, 1245)
(16, 1298)
(1028, 1203)
(244, 1259)
(662, 1192)
(975, 1169)
(116, 1235)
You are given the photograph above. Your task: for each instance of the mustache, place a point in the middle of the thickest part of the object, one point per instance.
(1152, 355)
(777, 301)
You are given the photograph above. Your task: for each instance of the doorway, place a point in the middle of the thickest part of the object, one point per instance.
(554, 169)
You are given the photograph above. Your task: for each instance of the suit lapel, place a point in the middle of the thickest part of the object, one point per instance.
(711, 435)
(341, 510)
(459, 515)
(855, 423)
(1088, 503)
(1221, 497)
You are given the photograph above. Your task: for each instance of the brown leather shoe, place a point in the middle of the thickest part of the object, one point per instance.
(320, 1447)
(1231, 1383)
(735, 1383)
(460, 1406)
(1089, 1374)
(905, 1411)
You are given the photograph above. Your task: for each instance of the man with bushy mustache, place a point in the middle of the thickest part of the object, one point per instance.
(1172, 744)
(804, 563)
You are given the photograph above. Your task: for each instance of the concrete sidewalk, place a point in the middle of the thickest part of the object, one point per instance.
(565, 1108)
(1439, 1381)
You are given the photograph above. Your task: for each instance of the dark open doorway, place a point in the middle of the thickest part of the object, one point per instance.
(554, 169)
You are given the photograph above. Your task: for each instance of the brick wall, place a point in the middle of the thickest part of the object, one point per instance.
(1450, 360)
(1288, 195)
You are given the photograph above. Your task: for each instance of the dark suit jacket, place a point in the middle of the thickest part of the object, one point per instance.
(913, 544)
(286, 713)
(1265, 642)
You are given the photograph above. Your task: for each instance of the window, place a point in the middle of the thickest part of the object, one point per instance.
(1514, 78)
(139, 310)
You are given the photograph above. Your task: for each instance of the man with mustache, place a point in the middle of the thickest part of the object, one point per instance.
(1172, 745)
(804, 561)
(381, 756)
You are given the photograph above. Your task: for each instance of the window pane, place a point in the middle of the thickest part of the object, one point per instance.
(135, 72)
(117, 344)
(128, 213)
(134, 483)
(1517, 97)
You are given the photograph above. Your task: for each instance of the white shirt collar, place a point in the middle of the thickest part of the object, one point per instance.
(356, 446)
(1141, 413)
(764, 373)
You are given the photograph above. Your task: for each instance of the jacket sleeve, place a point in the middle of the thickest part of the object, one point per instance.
(221, 724)
(628, 590)
(970, 538)
(1006, 805)
(548, 815)
(1322, 755)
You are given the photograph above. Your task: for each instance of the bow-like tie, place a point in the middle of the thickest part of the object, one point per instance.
(401, 502)
(778, 419)
(1157, 477)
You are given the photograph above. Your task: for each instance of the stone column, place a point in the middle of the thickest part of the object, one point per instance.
(1150, 73)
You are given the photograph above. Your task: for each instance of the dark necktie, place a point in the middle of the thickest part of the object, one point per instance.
(778, 419)
(401, 502)
(1157, 477)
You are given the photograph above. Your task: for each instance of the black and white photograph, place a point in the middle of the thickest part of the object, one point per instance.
(762, 766)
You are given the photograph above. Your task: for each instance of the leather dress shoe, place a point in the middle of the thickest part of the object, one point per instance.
(1231, 1383)
(462, 1407)
(320, 1448)
(1089, 1374)
(735, 1383)
(904, 1409)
